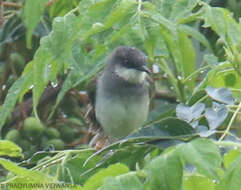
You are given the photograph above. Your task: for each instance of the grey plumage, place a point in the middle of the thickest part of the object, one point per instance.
(122, 95)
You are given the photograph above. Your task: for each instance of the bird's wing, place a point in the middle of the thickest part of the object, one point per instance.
(94, 126)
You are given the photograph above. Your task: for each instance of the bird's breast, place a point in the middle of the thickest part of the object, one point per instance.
(120, 115)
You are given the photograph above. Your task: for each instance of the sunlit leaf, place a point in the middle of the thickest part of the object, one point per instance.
(8, 148)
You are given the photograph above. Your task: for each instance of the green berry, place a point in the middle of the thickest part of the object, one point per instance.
(25, 145)
(52, 133)
(33, 128)
(67, 133)
(13, 135)
(58, 144)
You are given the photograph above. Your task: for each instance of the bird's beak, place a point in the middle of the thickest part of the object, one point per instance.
(144, 68)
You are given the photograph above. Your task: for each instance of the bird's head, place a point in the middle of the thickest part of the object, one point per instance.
(129, 63)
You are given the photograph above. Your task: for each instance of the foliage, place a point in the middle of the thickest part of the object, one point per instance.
(191, 145)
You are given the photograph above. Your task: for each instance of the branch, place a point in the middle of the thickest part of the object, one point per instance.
(12, 4)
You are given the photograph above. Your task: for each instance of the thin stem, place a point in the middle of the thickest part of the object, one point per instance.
(230, 122)
(234, 112)
(139, 6)
(230, 134)
(235, 89)
(195, 73)
(201, 99)
(172, 78)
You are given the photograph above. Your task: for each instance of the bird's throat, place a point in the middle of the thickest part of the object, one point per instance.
(130, 75)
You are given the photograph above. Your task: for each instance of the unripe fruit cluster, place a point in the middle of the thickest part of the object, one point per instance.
(35, 136)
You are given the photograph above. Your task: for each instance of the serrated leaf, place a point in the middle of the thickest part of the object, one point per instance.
(33, 11)
(222, 95)
(216, 18)
(8, 148)
(216, 116)
(97, 179)
(189, 113)
(80, 70)
(12, 97)
(53, 54)
(182, 8)
(202, 154)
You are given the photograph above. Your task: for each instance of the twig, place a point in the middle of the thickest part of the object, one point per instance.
(230, 122)
(12, 4)
(165, 96)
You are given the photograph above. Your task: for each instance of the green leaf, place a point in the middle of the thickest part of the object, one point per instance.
(12, 97)
(230, 157)
(231, 178)
(210, 78)
(123, 182)
(164, 172)
(222, 95)
(197, 182)
(216, 18)
(54, 53)
(33, 11)
(8, 148)
(168, 127)
(81, 69)
(188, 57)
(182, 8)
(203, 154)
(97, 179)
(190, 31)
(22, 172)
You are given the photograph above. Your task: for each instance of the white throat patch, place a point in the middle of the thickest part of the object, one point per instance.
(130, 75)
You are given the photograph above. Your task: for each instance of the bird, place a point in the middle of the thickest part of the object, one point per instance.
(120, 97)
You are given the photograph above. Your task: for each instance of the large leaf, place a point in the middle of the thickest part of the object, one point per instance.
(165, 172)
(33, 11)
(54, 53)
(203, 154)
(231, 179)
(198, 182)
(97, 179)
(188, 57)
(12, 97)
(127, 181)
